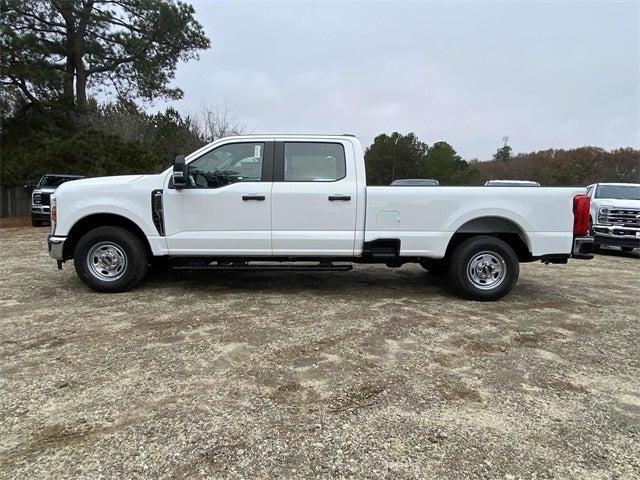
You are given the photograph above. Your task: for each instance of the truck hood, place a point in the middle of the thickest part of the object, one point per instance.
(115, 180)
(97, 182)
(111, 187)
(616, 202)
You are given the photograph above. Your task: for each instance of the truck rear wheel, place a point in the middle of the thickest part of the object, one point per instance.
(484, 268)
(110, 259)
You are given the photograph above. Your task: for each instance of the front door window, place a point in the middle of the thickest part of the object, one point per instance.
(231, 163)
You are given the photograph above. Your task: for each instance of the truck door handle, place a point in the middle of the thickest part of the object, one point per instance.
(342, 198)
(259, 198)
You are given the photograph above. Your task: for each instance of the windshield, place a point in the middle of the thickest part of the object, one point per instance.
(54, 182)
(620, 192)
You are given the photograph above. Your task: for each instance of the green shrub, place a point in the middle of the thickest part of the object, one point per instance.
(39, 142)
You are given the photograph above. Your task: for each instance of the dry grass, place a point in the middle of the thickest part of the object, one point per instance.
(374, 373)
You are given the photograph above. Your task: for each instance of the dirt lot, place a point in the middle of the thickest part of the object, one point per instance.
(372, 373)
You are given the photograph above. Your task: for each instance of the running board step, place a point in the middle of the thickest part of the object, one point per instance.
(317, 267)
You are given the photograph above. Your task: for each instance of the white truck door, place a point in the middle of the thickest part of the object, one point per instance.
(225, 209)
(314, 198)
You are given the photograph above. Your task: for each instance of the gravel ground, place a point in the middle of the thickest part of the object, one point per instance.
(374, 373)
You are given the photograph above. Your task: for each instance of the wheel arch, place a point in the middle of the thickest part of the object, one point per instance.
(498, 226)
(94, 220)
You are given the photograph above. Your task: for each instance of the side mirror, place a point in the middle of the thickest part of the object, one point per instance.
(180, 172)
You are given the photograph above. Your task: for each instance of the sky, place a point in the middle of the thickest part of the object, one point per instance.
(545, 74)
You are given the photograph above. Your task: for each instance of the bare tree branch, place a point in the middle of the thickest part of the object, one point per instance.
(219, 123)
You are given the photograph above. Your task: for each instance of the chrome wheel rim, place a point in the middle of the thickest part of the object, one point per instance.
(486, 270)
(107, 261)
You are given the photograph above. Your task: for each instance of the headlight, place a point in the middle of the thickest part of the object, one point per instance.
(36, 198)
(602, 215)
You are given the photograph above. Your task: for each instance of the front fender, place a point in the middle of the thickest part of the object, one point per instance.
(66, 222)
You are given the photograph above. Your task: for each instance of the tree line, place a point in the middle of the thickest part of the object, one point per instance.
(58, 56)
(394, 156)
(121, 138)
(115, 139)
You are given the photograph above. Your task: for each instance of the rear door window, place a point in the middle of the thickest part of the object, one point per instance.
(314, 162)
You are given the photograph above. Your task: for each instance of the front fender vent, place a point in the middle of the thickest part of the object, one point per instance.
(157, 213)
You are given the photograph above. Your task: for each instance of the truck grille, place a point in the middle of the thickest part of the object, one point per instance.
(40, 198)
(623, 217)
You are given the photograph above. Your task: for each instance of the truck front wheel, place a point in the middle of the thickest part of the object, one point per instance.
(484, 268)
(110, 259)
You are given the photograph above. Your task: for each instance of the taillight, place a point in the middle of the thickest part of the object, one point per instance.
(581, 205)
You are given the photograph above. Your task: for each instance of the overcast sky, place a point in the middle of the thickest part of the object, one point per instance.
(545, 74)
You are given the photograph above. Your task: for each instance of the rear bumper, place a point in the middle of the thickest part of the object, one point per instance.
(56, 247)
(582, 247)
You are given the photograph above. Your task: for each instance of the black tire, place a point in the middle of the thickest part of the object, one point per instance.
(115, 242)
(480, 256)
(36, 223)
(595, 248)
(627, 249)
(437, 268)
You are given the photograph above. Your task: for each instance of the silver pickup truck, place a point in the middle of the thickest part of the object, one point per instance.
(615, 214)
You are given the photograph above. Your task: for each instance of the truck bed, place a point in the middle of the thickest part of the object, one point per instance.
(425, 219)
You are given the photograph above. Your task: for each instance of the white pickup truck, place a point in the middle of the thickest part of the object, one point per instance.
(615, 215)
(301, 202)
